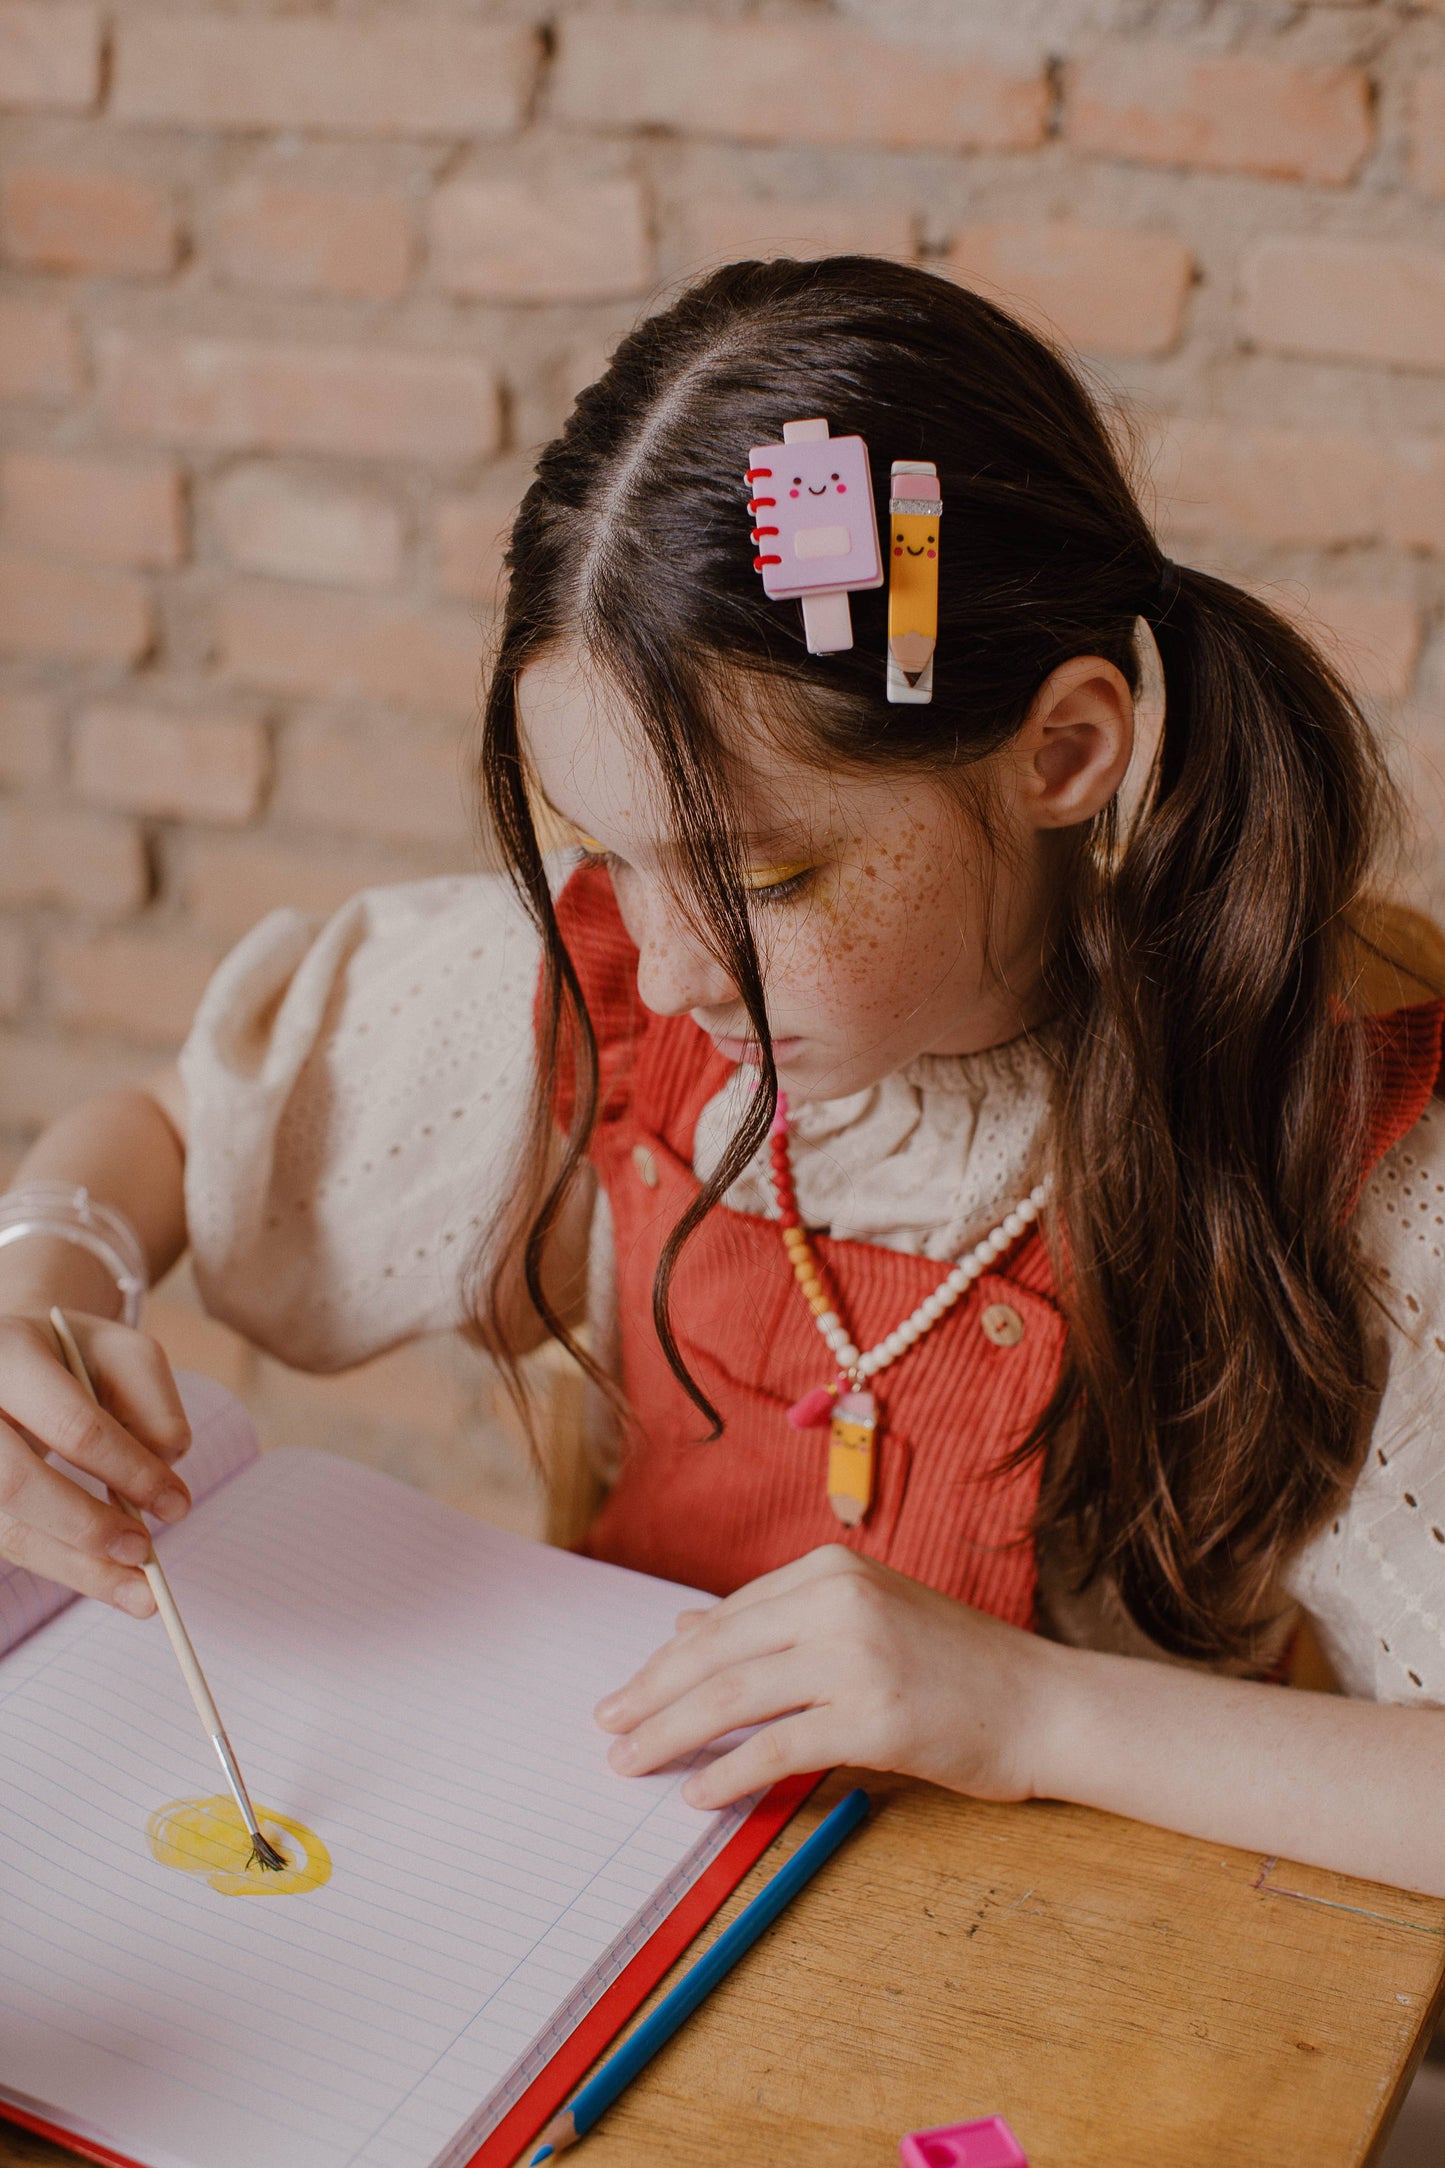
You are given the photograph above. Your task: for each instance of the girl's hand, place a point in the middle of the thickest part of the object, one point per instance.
(51, 1525)
(843, 1661)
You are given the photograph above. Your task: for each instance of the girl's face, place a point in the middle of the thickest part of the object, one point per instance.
(887, 927)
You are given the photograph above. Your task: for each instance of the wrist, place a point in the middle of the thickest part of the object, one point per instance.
(1058, 1717)
(43, 1270)
(64, 1216)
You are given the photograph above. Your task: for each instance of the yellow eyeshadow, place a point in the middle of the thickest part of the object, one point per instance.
(589, 843)
(774, 876)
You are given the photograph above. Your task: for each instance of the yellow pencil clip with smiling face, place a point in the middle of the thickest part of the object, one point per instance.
(915, 513)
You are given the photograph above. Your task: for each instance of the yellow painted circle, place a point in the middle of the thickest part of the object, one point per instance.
(208, 1836)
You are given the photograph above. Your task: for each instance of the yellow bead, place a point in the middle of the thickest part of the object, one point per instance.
(818, 1304)
(794, 1238)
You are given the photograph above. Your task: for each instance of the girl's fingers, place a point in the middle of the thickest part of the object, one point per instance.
(813, 1566)
(745, 1693)
(38, 1497)
(720, 1639)
(133, 1378)
(40, 1397)
(785, 1749)
(40, 1552)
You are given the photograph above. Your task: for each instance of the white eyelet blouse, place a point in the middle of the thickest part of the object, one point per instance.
(357, 1091)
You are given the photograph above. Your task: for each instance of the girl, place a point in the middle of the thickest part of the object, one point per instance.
(950, 1054)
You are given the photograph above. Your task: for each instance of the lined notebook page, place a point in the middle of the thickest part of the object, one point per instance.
(416, 1688)
(222, 1441)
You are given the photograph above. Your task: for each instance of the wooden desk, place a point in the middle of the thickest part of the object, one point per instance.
(1126, 1997)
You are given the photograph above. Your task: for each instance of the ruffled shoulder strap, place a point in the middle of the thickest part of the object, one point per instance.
(1406, 1063)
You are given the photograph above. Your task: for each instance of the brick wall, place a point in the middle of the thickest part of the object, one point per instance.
(290, 292)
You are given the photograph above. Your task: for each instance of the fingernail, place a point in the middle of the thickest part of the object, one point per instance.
(608, 1708)
(624, 1754)
(135, 1597)
(170, 1505)
(131, 1549)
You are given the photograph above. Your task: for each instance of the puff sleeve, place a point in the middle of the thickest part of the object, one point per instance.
(357, 1091)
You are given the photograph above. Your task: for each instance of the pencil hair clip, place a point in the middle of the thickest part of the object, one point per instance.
(915, 512)
(816, 532)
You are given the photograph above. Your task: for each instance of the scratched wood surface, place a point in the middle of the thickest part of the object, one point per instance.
(1128, 1998)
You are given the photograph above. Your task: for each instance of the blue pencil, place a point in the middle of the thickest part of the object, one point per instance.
(618, 2073)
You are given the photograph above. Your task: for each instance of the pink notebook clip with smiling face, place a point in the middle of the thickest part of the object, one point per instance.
(816, 530)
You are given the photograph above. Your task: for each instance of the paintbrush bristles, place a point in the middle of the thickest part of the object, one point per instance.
(264, 1854)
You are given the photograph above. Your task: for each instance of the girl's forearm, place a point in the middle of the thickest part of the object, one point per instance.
(126, 1148)
(1351, 1785)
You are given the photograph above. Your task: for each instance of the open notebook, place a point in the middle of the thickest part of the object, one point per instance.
(410, 1688)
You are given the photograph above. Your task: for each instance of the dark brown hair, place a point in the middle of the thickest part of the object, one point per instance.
(1207, 1117)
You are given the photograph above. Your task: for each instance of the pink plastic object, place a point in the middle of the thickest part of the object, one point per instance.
(815, 514)
(986, 2144)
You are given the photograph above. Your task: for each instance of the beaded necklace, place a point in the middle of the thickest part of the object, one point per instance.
(845, 1405)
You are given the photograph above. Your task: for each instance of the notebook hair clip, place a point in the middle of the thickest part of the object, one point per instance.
(816, 531)
(915, 513)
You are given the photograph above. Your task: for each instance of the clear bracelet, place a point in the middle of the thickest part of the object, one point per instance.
(73, 1215)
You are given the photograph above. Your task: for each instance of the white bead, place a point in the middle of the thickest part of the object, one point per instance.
(828, 1321)
(847, 1355)
(1013, 1226)
(934, 1308)
(1028, 1208)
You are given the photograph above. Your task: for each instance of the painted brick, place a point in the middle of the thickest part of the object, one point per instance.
(27, 739)
(315, 240)
(225, 883)
(1233, 113)
(14, 970)
(78, 861)
(1427, 132)
(41, 1075)
(101, 511)
(375, 779)
(1374, 640)
(138, 985)
(39, 352)
(397, 72)
(298, 528)
(341, 646)
(245, 395)
(1355, 300)
(764, 82)
(53, 218)
(49, 55)
(191, 766)
(54, 609)
(1105, 289)
(1302, 486)
(521, 240)
(472, 532)
(724, 229)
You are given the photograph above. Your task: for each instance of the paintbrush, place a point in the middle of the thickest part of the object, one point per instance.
(263, 1852)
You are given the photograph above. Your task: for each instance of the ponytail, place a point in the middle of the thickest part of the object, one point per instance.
(1216, 1396)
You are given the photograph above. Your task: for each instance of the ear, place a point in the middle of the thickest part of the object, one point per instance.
(1074, 747)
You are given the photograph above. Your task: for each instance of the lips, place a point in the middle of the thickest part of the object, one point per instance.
(741, 1050)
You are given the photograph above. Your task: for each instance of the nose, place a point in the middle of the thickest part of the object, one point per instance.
(675, 973)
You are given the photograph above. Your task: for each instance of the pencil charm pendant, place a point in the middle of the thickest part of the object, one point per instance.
(852, 1444)
(915, 510)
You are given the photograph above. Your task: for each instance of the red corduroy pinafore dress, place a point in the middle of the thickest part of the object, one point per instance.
(717, 1513)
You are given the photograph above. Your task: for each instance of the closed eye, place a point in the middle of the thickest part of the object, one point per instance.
(778, 884)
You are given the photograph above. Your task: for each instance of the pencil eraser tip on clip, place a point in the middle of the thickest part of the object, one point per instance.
(815, 528)
(988, 2143)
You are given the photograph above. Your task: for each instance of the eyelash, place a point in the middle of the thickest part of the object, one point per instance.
(776, 891)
